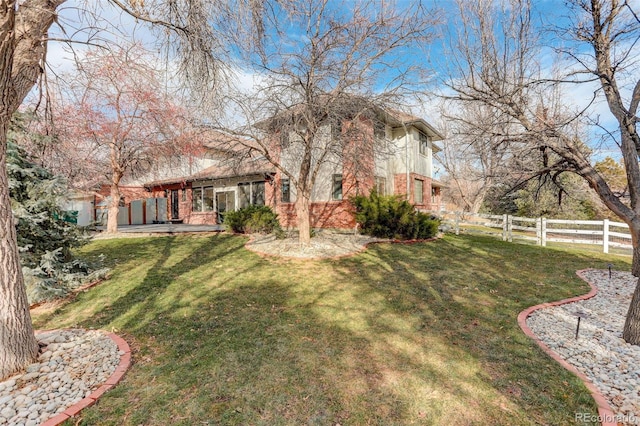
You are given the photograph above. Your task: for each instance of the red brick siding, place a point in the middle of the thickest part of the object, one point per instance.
(184, 207)
(329, 214)
(400, 188)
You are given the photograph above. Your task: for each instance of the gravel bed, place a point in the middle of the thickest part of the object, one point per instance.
(71, 365)
(599, 352)
(325, 244)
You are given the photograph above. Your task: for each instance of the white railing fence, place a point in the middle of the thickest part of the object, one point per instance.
(605, 233)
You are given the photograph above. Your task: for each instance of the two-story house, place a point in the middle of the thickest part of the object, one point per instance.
(404, 167)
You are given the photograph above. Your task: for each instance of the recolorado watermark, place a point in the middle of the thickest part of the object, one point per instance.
(627, 419)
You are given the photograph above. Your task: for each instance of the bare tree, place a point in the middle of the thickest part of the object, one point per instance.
(321, 89)
(24, 29)
(115, 115)
(473, 158)
(498, 65)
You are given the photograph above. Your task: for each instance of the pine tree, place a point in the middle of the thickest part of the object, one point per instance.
(45, 238)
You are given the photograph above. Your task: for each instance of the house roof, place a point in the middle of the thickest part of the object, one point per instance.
(438, 184)
(392, 117)
(398, 119)
(248, 167)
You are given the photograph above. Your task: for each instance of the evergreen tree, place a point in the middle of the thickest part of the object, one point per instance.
(45, 239)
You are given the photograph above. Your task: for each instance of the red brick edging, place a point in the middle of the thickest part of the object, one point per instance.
(118, 374)
(605, 413)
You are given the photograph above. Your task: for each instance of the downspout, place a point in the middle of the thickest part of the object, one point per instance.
(406, 161)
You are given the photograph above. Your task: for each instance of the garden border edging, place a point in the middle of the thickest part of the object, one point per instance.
(605, 412)
(112, 381)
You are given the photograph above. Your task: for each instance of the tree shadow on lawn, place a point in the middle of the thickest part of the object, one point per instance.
(466, 293)
(252, 350)
(124, 301)
(223, 336)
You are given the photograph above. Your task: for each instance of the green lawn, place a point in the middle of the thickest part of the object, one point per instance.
(399, 334)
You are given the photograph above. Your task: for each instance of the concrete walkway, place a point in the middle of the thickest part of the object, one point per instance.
(165, 228)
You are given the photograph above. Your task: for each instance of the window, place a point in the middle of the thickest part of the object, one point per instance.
(337, 187)
(336, 131)
(202, 199)
(207, 199)
(379, 130)
(424, 144)
(251, 193)
(257, 193)
(244, 195)
(184, 194)
(380, 185)
(285, 191)
(418, 186)
(285, 138)
(196, 197)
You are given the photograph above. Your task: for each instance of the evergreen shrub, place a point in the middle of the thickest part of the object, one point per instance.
(391, 217)
(253, 219)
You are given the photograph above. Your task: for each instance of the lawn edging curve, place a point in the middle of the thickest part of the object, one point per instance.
(605, 412)
(114, 379)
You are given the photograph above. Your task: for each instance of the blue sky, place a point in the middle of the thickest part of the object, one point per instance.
(551, 11)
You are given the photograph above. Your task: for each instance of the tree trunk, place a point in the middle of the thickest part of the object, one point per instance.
(631, 331)
(116, 175)
(19, 69)
(18, 345)
(114, 208)
(304, 220)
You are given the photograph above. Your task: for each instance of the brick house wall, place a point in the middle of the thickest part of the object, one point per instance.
(329, 214)
(186, 212)
(184, 199)
(429, 200)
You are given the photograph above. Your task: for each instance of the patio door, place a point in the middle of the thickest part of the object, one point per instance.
(175, 208)
(225, 202)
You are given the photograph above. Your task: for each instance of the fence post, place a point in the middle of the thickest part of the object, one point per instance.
(504, 227)
(510, 228)
(457, 223)
(543, 232)
(605, 235)
(539, 231)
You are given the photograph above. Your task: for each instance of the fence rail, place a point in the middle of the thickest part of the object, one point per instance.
(542, 230)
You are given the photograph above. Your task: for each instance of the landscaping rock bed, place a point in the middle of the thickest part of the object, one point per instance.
(324, 245)
(599, 352)
(72, 364)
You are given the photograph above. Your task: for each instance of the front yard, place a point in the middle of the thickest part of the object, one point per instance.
(399, 334)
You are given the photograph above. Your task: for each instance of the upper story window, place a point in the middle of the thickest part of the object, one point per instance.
(336, 192)
(285, 139)
(379, 130)
(424, 144)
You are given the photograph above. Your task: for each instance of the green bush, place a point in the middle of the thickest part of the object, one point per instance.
(253, 219)
(390, 217)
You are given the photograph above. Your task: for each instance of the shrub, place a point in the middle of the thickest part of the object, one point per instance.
(253, 219)
(390, 217)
